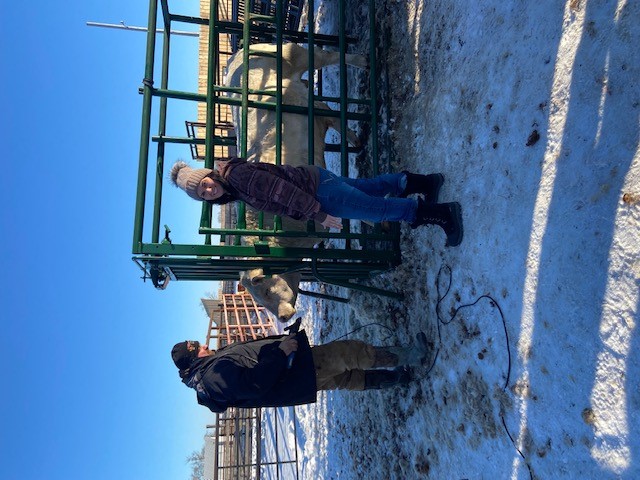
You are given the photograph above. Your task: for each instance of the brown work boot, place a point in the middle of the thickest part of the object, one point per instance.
(414, 355)
(376, 379)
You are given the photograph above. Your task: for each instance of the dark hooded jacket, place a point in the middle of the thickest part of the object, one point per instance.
(254, 374)
(279, 189)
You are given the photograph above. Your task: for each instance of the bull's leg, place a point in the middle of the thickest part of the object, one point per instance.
(357, 60)
(322, 58)
(352, 137)
(297, 59)
(334, 122)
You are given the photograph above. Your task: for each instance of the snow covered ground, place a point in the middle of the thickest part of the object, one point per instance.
(531, 110)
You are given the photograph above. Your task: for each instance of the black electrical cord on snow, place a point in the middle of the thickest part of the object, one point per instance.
(440, 321)
(365, 326)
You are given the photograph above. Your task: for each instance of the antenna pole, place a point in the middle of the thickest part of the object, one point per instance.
(122, 26)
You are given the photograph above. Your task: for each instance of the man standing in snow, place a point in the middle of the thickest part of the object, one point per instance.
(281, 371)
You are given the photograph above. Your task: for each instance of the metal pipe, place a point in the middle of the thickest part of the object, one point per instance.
(199, 97)
(162, 124)
(311, 94)
(279, 27)
(244, 103)
(217, 140)
(373, 75)
(362, 288)
(280, 253)
(212, 66)
(289, 233)
(122, 26)
(344, 106)
(143, 159)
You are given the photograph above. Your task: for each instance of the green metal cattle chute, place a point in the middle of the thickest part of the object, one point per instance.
(160, 258)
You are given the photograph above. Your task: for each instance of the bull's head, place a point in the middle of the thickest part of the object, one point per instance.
(277, 293)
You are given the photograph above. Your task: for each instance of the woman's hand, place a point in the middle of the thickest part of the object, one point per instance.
(289, 345)
(332, 222)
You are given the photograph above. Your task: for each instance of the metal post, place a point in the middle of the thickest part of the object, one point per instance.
(145, 128)
(162, 129)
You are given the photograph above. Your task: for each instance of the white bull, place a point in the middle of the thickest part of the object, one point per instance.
(278, 293)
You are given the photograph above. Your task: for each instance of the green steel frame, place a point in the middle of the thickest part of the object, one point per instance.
(161, 260)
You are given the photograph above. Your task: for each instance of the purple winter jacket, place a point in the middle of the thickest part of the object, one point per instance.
(283, 190)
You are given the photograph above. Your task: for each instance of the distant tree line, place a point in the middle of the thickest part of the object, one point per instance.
(196, 460)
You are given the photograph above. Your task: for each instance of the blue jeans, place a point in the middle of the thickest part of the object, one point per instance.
(363, 198)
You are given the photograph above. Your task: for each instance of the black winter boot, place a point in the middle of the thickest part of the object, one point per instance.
(427, 184)
(448, 216)
(376, 379)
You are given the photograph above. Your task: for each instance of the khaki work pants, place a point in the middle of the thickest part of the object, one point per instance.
(341, 364)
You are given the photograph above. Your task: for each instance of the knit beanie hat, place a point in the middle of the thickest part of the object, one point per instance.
(184, 353)
(187, 178)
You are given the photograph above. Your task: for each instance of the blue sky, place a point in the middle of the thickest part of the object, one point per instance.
(91, 390)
